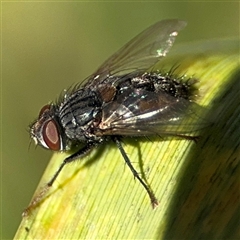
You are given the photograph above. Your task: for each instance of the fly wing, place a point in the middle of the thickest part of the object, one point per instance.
(141, 52)
(140, 112)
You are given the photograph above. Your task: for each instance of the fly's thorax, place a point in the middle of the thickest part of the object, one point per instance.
(79, 112)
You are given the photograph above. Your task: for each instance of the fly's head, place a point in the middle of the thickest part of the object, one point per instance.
(46, 131)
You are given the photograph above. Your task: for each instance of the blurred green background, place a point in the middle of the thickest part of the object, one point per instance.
(48, 46)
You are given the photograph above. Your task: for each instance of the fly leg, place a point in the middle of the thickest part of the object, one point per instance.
(188, 137)
(153, 199)
(37, 199)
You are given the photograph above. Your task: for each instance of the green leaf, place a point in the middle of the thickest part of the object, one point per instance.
(197, 185)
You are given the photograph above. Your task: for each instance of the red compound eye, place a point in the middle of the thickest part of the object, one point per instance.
(44, 109)
(51, 135)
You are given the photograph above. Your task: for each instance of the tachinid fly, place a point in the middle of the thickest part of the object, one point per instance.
(122, 98)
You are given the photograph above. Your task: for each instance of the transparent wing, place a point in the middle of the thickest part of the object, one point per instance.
(141, 112)
(141, 52)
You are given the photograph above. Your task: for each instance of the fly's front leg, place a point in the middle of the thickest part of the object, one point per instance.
(36, 200)
(72, 158)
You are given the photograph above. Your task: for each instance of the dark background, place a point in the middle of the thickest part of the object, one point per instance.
(47, 46)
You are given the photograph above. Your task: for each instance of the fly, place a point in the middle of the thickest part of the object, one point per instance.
(122, 98)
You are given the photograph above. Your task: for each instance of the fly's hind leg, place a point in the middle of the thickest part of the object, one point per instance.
(153, 199)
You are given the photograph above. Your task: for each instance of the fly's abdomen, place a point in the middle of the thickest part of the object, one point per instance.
(165, 82)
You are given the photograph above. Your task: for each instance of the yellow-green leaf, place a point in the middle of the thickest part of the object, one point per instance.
(197, 185)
